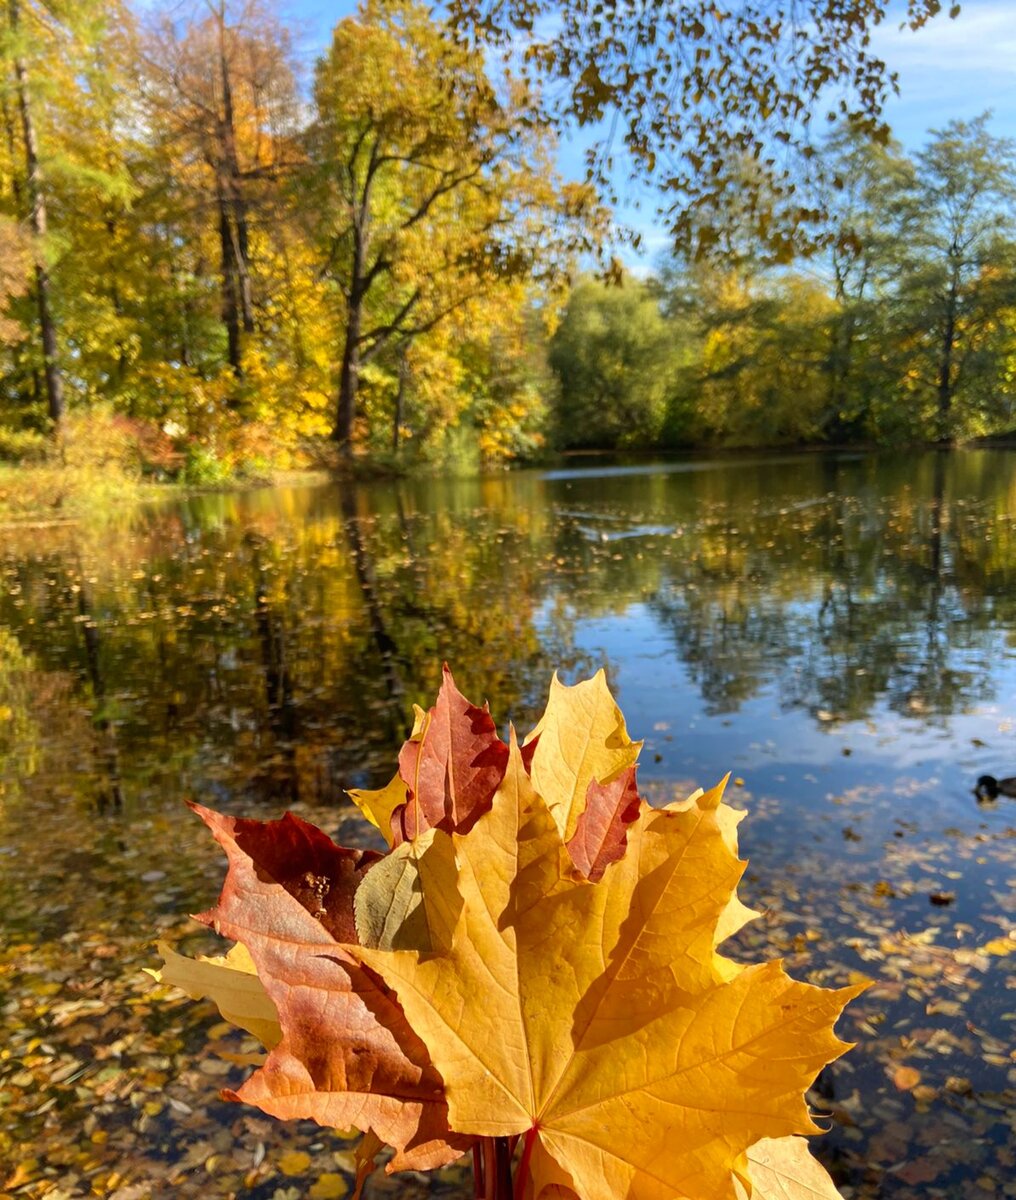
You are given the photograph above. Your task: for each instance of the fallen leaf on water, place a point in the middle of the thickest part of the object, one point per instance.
(906, 1078)
(293, 1162)
(329, 1186)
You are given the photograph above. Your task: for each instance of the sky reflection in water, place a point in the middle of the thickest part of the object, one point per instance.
(840, 633)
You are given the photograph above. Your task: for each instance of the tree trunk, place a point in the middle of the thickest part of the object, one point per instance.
(400, 396)
(841, 361)
(349, 378)
(945, 369)
(349, 382)
(230, 282)
(236, 205)
(117, 302)
(37, 199)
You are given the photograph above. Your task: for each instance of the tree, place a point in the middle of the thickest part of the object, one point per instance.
(615, 358)
(19, 46)
(13, 274)
(475, 389)
(961, 272)
(691, 87)
(222, 94)
(871, 221)
(57, 69)
(760, 375)
(427, 185)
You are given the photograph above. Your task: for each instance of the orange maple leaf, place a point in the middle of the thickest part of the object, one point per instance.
(347, 1056)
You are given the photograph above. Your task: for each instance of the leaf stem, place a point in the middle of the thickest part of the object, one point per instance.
(488, 1169)
(503, 1168)
(522, 1174)
(478, 1178)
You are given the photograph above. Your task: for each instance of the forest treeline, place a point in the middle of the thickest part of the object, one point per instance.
(900, 329)
(224, 262)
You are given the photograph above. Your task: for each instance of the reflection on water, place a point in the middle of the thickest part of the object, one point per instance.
(840, 632)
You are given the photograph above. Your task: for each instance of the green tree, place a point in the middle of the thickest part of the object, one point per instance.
(615, 360)
(961, 271)
(871, 221)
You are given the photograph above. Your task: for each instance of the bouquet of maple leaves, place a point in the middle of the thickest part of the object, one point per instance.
(530, 973)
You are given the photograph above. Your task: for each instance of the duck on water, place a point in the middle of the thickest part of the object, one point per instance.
(990, 788)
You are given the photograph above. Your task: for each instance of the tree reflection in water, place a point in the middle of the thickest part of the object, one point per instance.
(837, 629)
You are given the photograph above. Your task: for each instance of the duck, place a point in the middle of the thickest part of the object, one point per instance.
(990, 788)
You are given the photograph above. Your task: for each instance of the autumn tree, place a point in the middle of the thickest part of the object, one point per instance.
(20, 45)
(52, 53)
(685, 90)
(13, 274)
(428, 185)
(221, 93)
(476, 389)
(960, 276)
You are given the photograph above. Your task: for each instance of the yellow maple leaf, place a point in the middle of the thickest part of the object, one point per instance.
(231, 983)
(597, 1018)
(378, 805)
(783, 1169)
(581, 739)
(549, 969)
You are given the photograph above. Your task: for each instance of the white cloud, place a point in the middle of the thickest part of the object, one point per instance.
(952, 69)
(982, 40)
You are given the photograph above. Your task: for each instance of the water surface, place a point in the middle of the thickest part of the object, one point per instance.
(838, 632)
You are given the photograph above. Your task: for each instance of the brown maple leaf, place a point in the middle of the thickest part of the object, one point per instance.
(347, 1056)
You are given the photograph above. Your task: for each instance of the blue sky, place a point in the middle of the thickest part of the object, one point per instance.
(953, 69)
(948, 70)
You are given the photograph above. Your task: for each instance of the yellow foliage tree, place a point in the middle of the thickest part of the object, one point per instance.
(432, 188)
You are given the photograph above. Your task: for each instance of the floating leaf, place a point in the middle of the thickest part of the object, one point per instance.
(906, 1078)
(294, 1162)
(329, 1186)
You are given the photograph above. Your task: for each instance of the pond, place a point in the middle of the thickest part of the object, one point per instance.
(839, 632)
